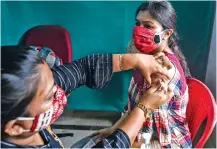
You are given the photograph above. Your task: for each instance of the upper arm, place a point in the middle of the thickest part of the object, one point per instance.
(95, 71)
(156, 76)
(171, 72)
(69, 76)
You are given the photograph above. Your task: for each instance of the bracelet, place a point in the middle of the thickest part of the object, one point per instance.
(120, 62)
(147, 112)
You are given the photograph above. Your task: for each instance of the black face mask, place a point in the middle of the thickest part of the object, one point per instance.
(158, 37)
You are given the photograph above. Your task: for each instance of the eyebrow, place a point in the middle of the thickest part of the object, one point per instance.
(145, 21)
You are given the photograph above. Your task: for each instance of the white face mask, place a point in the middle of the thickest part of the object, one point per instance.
(158, 37)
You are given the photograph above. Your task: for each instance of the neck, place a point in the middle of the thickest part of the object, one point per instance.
(162, 48)
(168, 50)
(33, 140)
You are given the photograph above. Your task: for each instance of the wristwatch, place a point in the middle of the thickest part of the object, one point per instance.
(147, 111)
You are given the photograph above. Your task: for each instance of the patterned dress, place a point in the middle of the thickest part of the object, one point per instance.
(168, 124)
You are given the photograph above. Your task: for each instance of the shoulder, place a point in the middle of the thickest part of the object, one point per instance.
(177, 80)
(172, 72)
(48, 55)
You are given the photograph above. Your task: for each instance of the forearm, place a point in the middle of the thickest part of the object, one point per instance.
(132, 123)
(95, 71)
(128, 61)
(115, 126)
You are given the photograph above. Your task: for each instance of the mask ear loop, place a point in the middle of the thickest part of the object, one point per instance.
(164, 39)
(163, 32)
(25, 119)
(160, 36)
(26, 130)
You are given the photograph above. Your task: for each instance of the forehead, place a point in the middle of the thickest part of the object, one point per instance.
(145, 16)
(46, 76)
(45, 85)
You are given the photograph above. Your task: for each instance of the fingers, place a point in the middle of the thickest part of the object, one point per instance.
(148, 78)
(166, 62)
(158, 55)
(98, 140)
(163, 71)
(94, 134)
(160, 61)
(166, 91)
(155, 87)
(164, 86)
(163, 60)
(163, 91)
(169, 93)
(161, 87)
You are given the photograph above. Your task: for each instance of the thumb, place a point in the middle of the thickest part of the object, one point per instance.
(93, 134)
(148, 78)
(169, 93)
(158, 55)
(164, 72)
(98, 140)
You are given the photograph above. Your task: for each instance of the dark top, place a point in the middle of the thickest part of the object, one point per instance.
(94, 71)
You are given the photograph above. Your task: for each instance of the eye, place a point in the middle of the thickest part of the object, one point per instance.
(148, 26)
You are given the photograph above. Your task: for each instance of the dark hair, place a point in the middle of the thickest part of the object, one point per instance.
(165, 14)
(19, 80)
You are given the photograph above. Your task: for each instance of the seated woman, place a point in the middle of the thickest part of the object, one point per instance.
(155, 32)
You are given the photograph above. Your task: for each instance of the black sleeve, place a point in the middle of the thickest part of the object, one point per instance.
(118, 139)
(95, 71)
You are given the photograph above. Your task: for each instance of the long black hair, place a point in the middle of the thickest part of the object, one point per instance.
(19, 80)
(165, 14)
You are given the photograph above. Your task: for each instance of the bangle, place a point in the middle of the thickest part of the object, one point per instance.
(147, 112)
(120, 62)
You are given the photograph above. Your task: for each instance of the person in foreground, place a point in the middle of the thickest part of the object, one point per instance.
(33, 96)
